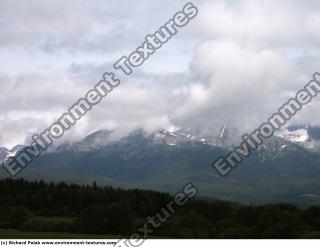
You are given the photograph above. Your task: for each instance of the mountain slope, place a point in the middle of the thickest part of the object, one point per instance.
(280, 170)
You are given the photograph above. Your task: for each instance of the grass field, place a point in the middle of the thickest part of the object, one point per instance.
(14, 234)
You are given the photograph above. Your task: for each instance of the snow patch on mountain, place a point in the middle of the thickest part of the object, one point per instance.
(296, 136)
(6, 154)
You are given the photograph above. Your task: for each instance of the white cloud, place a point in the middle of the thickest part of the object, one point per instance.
(246, 58)
(236, 85)
(262, 23)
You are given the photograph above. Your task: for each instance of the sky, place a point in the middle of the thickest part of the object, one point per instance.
(236, 63)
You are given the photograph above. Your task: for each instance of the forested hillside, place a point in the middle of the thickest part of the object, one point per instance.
(47, 207)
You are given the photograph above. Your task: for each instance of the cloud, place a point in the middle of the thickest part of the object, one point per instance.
(262, 23)
(236, 63)
(236, 85)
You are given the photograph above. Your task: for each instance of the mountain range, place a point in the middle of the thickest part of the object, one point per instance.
(285, 168)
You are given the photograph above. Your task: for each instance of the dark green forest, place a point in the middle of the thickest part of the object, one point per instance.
(89, 209)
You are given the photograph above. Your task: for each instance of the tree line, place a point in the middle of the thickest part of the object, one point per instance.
(90, 209)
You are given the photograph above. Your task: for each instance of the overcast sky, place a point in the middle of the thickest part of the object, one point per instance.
(235, 63)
